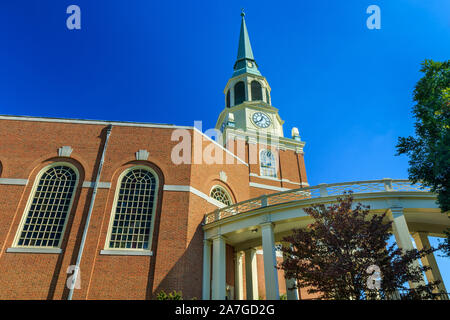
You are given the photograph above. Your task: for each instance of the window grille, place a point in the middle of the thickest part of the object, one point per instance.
(268, 164)
(134, 211)
(219, 194)
(47, 215)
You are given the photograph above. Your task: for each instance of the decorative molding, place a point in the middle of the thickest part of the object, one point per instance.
(265, 186)
(126, 252)
(223, 176)
(253, 136)
(303, 184)
(142, 155)
(65, 151)
(184, 188)
(222, 147)
(252, 140)
(17, 182)
(101, 185)
(34, 250)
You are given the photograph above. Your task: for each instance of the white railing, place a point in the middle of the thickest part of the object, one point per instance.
(319, 191)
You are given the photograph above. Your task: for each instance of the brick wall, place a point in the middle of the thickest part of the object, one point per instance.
(26, 147)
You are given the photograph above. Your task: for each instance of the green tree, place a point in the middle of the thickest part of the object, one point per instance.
(429, 151)
(336, 256)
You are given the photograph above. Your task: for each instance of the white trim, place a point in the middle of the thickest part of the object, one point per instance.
(101, 185)
(279, 180)
(30, 201)
(185, 188)
(17, 182)
(65, 151)
(224, 149)
(265, 186)
(122, 252)
(100, 122)
(34, 250)
(224, 190)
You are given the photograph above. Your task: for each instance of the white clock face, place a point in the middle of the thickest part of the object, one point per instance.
(261, 119)
(250, 64)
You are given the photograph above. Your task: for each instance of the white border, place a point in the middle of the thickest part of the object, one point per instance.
(132, 251)
(224, 190)
(38, 249)
(11, 181)
(184, 188)
(265, 186)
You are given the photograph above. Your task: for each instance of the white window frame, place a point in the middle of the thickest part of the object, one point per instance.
(224, 190)
(261, 171)
(131, 251)
(44, 249)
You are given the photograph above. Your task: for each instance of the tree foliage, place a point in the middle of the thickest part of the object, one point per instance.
(429, 151)
(332, 255)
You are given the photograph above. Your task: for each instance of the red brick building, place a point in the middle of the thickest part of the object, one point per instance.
(125, 201)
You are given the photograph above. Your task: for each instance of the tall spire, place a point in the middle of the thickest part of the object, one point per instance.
(245, 62)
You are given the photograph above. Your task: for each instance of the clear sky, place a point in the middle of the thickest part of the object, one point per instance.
(347, 88)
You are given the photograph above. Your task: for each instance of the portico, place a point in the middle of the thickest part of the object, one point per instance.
(272, 217)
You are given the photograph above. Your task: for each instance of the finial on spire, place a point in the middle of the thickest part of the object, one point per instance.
(245, 62)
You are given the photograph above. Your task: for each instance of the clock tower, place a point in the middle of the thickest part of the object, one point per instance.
(248, 111)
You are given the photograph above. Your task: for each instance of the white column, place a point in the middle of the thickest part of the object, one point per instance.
(402, 235)
(219, 271)
(263, 93)
(231, 95)
(251, 274)
(248, 89)
(422, 242)
(238, 277)
(206, 270)
(270, 262)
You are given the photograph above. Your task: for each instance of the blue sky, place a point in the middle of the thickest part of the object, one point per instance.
(347, 88)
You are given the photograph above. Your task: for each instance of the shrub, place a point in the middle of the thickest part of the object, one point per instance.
(174, 295)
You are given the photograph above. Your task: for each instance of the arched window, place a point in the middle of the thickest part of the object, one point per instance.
(239, 93)
(268, 164)
(228, 99)
(256, 90)
(220, 194)
(267, 96)
(134, 210)
(47, 211)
